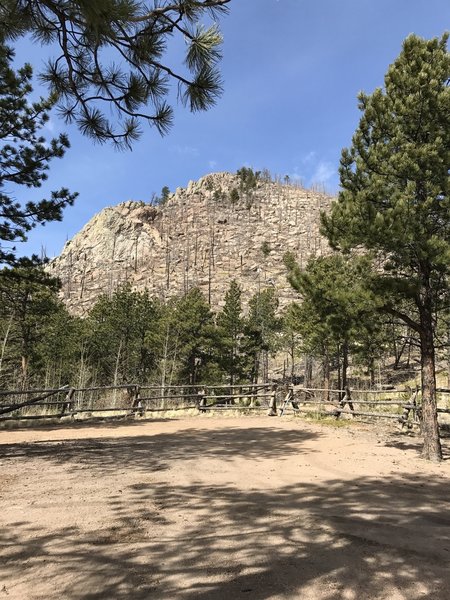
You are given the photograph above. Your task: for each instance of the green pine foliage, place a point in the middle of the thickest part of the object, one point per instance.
(230, 331)
(24, 157)
(162, 199)
(128, 337)
(27, 301)
(110, 59)
(262, 328)
(234, 196)
(193, 329)
(339, 311)
(118, 331)
(248, 179)
(266, 249)
(395, 199)
(290, 340)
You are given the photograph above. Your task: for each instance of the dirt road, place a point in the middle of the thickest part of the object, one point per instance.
(221, 508)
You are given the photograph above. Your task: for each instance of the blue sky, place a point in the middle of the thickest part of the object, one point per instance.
(292, 70)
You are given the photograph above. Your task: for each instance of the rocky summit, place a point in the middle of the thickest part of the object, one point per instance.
(217, 229)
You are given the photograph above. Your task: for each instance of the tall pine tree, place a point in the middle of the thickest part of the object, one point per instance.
(395, 198)
(230, 330)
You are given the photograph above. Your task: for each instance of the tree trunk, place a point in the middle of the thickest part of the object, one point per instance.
(339, 380)
(430, 428)
(326, 375)
(24, 375)
(116, 372)
(266, 366)
(344, 364)
(292, 355)
(372, 372)
(308, 371)
(448, 358)
(255, 371)
(5, 342)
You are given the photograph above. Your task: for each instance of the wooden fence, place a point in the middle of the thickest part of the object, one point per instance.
(133, 399)
(403, 405)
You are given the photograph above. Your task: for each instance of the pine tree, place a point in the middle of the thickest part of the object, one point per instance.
(230, 331)
(132, 79)
(395, 198)
(24, 157)
(58, 352)
(338, 308)
(290, 339)
(261, 330)
(27, 301)
(193, 328)
(120, 341)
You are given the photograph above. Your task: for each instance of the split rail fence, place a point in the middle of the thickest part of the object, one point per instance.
(132, 399)
(403, 405)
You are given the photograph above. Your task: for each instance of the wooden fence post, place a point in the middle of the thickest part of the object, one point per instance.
(253, 397)
(201, 400)
(68, 401)
(289, 398)
(411, 405)
(347, 399)
(273, 403)
(137, 402)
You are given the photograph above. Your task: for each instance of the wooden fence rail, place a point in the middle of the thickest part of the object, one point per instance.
(131, 399)
(277, 399)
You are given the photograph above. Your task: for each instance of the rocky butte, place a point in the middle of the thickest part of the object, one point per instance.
(217, 229)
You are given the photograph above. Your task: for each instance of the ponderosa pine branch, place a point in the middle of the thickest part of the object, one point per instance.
(137, 87)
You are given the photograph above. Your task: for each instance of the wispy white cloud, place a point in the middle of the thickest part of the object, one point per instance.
(308, 158)
(323, 172)
(212, 164)
(296, 176)
(185, 150)
(309, 170)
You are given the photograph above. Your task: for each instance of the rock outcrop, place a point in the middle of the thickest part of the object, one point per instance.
(204, 235)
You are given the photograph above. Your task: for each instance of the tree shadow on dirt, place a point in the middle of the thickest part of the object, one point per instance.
(413, 441)
(366, 538)
(146, 453)
(88, 423)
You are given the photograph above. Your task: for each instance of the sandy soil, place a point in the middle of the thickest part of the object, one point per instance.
(221, 508)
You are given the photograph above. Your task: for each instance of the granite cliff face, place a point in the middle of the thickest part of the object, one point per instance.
(204, 235)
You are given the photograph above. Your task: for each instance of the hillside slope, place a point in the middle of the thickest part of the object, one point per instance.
(205, 235)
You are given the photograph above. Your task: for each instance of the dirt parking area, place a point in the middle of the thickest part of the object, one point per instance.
(221, 508)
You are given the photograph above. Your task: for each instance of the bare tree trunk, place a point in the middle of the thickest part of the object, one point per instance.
(400, 346)
(24, 374)
(164, 367)
(292, 355)
(174, 357)
(344, 365)
(265, 373)
(326, 375)
(339, 380)
(430, 429)
(448, 358)
(5, 342)
(308, 371)
(372, 373)
(116, 371)
(409, 352)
